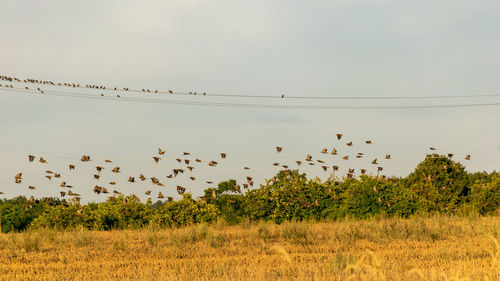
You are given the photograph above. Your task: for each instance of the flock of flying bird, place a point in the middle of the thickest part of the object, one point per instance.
(187, 164)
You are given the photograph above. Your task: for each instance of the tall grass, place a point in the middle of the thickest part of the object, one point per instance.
(419, 248)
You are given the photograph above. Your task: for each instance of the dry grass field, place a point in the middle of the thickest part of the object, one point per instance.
(437, 248)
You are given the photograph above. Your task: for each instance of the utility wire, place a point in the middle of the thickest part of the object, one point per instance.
(281, 96)
(245, 105)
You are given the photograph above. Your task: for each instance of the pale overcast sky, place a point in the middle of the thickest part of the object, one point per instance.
(297, 48)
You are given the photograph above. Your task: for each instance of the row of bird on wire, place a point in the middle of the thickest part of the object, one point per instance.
(188, 164)
(83, 86)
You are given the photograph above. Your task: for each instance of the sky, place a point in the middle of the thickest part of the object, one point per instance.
(354, 48)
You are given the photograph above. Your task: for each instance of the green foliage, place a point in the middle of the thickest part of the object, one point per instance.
(437, 185)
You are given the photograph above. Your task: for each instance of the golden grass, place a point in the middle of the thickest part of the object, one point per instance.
(439, 248)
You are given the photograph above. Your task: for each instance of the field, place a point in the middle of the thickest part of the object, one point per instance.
(433, 248)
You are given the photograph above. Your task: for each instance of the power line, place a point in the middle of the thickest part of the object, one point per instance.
(245, 105)
(281, 96)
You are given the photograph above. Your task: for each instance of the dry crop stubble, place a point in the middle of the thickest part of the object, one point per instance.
(435, 248)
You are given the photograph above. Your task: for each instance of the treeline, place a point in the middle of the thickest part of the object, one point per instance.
(437, 185)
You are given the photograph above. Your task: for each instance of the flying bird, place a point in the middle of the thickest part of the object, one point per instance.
(339, 136)
(31, 158)
(279, 149)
